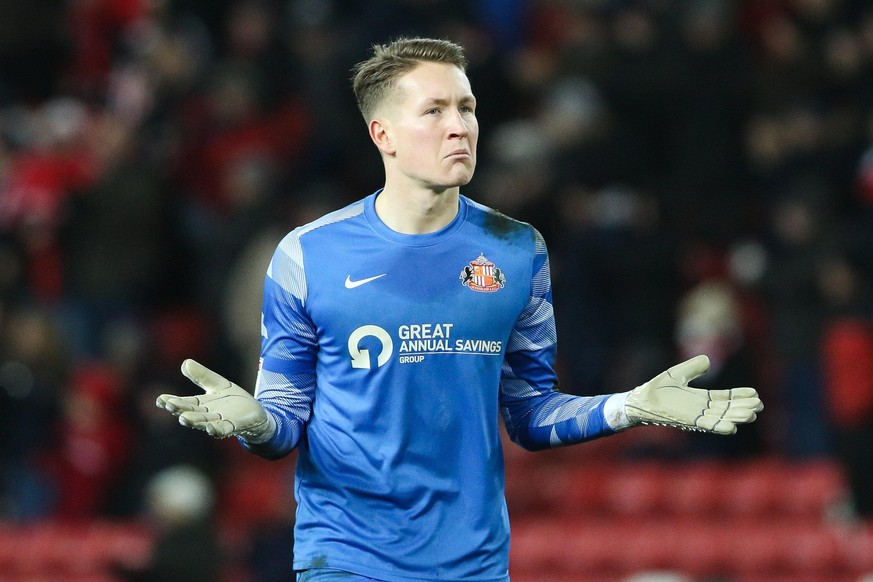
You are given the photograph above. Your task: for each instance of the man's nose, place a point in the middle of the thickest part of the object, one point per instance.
(458, 125)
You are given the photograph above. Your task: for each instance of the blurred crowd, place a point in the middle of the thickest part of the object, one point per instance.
(702, 171)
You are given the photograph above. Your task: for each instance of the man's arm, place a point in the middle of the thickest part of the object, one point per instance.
(537, 416)
(554, 419)
(271, 422)
(226, 409)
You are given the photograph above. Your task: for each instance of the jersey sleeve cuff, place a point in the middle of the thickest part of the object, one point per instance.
(614, 412)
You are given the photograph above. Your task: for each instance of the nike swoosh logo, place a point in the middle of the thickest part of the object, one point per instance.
(352, 284)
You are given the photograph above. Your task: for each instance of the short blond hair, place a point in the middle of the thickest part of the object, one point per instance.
(373, 78)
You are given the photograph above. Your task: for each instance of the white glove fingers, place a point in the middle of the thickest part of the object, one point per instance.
(689, 369)
(740, 415)
(718, 407)
(743, 392)
(724, 427)
(717, 424)
(734, 394)
(746, 398)
(161, 401)
(198, 419)
(740, 410)
(221, 429)
(179, 404)
(747, 405)
(211, 423)
(211, 382)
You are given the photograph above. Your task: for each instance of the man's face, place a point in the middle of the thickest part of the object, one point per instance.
(431, 126)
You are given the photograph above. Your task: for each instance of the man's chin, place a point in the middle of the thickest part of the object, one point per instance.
(456, 180)
(462, 179)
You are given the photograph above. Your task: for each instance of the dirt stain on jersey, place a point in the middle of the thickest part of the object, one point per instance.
(319, 562)
(502, 226)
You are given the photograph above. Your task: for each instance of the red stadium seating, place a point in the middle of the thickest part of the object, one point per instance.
(695, 488)
(757, 520)
(582, 520)
(71, 551)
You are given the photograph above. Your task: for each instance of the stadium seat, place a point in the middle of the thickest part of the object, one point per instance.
(753, 488)
(854, 544)
(71, 551)
(12, 547)
(536, 489)
(567, 545)
(702, 549)
(637, 488)
(652, 544)
(696, 488)
(256, 492)
(814, 487)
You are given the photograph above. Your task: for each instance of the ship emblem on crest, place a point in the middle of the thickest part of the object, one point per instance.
(481, 275)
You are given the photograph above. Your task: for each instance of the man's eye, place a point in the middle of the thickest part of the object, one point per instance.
(433, 111)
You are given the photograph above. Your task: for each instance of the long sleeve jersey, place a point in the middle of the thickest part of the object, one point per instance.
(388, 360)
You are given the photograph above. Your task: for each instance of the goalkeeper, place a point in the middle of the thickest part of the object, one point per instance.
(397, 330)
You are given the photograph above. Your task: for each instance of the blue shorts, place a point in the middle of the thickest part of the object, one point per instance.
(331, 575)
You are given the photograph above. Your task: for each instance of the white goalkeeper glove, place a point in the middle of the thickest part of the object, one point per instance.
(225, 410)
(667, 400)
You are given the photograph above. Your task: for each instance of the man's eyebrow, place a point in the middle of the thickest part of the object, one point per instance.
(443, 101)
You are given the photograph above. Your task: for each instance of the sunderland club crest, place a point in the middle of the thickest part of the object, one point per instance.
(481, 275)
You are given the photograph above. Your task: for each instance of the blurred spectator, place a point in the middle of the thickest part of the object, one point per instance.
(709, 321)
(95, 27)
(612, 247)
(847, 361)
(157, 447)
(705, 174)
(791, 294)
(33, 46)
(47, 167)
(116, 242)
(92, 443)
(33, 368)
(180, 502)
(241, 284)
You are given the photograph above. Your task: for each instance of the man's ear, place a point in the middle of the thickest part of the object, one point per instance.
(381, 137)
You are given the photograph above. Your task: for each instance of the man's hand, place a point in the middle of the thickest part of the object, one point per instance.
(225, 409)
(667, 400)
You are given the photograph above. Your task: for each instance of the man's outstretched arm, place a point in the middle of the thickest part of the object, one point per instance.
(552, 419)
(269, 424)
(537, 416)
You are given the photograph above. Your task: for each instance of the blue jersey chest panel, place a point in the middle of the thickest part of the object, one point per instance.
(381, 302)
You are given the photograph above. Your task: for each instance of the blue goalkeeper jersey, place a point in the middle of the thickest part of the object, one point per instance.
(387, 360)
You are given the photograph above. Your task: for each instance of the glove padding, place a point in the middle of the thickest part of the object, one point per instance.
(225, 410)
(667, 400)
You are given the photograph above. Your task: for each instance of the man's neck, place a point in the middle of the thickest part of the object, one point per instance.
(419, 211)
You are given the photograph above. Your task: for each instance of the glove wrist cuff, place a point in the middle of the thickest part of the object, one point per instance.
(615, 412)
(260, 433)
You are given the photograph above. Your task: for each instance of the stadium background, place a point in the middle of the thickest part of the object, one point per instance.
(702, 172)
